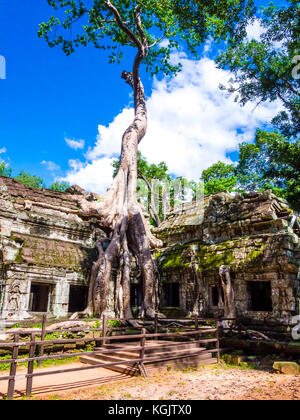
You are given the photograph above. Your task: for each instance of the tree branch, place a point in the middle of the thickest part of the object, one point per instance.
(122, 25)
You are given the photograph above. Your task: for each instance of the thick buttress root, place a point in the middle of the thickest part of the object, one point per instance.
(129, 235)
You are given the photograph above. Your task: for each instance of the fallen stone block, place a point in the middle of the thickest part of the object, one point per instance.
(287, 368)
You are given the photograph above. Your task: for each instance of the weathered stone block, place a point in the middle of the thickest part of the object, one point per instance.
(287, 368)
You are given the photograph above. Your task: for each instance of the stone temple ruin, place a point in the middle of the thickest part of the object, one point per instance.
(47, 250)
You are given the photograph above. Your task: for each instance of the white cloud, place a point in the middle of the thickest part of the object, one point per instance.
(255, 30)
(95, 176)
(3, 150)
(75, 144)
(192, 124)
(51, 166)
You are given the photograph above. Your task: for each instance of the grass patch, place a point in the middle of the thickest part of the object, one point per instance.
(45, 363)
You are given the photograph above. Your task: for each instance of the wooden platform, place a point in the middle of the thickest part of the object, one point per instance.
(158, 354)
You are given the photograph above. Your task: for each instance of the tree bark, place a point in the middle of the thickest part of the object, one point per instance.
(229, 305)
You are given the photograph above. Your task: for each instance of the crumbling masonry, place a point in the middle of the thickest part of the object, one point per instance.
(47, 250)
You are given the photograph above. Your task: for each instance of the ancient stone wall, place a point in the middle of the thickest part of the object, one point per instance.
(47, 249)
(256, 235)
(46, 239)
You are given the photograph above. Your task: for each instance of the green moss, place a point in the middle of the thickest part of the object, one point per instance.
(172, 261)
(255, 254)
(19, 258)
(209, 260)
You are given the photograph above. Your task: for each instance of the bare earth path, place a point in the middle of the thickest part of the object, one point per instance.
(62, 382)
(206, 383)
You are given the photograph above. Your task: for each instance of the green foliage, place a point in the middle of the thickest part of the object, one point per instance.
(146, 174)
(5, 170)
(178, 21)
(265, 70)
(59, 186)
(146, 170)
(114, 323)
(271, 162)
(33, 181)
(219, 177)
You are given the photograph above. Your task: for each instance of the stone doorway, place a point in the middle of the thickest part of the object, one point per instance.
(39, 300)
(259, 296)
(217, 298)
(170, 295)
(78, 298)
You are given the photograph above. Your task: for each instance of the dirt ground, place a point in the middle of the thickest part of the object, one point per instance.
(205, 383)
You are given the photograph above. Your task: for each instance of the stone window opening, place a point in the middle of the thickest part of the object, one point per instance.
(39, 300)
(259, 296)
(78, 298)
(171, 297)
(217, 297)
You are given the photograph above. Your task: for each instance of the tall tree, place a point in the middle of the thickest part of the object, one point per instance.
(59, 186)
(264, 70)
(271, 162)
(5, 170)
(219, 177)
(33, 181)
(142, 25)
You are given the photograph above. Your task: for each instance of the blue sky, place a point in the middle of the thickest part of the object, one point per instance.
(48, 98)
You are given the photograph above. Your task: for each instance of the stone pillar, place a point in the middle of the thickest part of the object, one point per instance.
(16, 298)
(60, 299)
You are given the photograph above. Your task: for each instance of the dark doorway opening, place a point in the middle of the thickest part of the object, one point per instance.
(259, 296)
(39, 298)
(217, 296)
(170, 296)
(136, 295)
(78, 298)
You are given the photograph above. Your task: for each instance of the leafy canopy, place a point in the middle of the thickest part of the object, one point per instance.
(33, 181)
(265, 70)
(191, 22)
(146, 170)
(219, 177)
(60, 186)
(271, 162)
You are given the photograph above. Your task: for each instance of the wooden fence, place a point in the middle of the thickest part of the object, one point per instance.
(191, 332)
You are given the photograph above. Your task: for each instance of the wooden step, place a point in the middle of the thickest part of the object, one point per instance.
(200, 353)
(183, 363)
(130, 370)
(157, 354)
(121, 354)
(114, 356)
(153, 347)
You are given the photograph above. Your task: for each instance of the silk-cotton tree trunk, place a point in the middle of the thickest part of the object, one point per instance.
(226, 281)
(122, 216)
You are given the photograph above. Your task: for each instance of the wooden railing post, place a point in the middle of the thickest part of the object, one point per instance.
(156, 325)
(142, 353)
(197, 337)
(104, 329)
(218, 339)
(13, 369)
(43, 335)
(30, 366)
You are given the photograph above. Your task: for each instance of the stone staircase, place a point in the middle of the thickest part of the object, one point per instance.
(157, 356)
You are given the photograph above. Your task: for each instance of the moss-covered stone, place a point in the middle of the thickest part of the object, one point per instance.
(287, 368)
